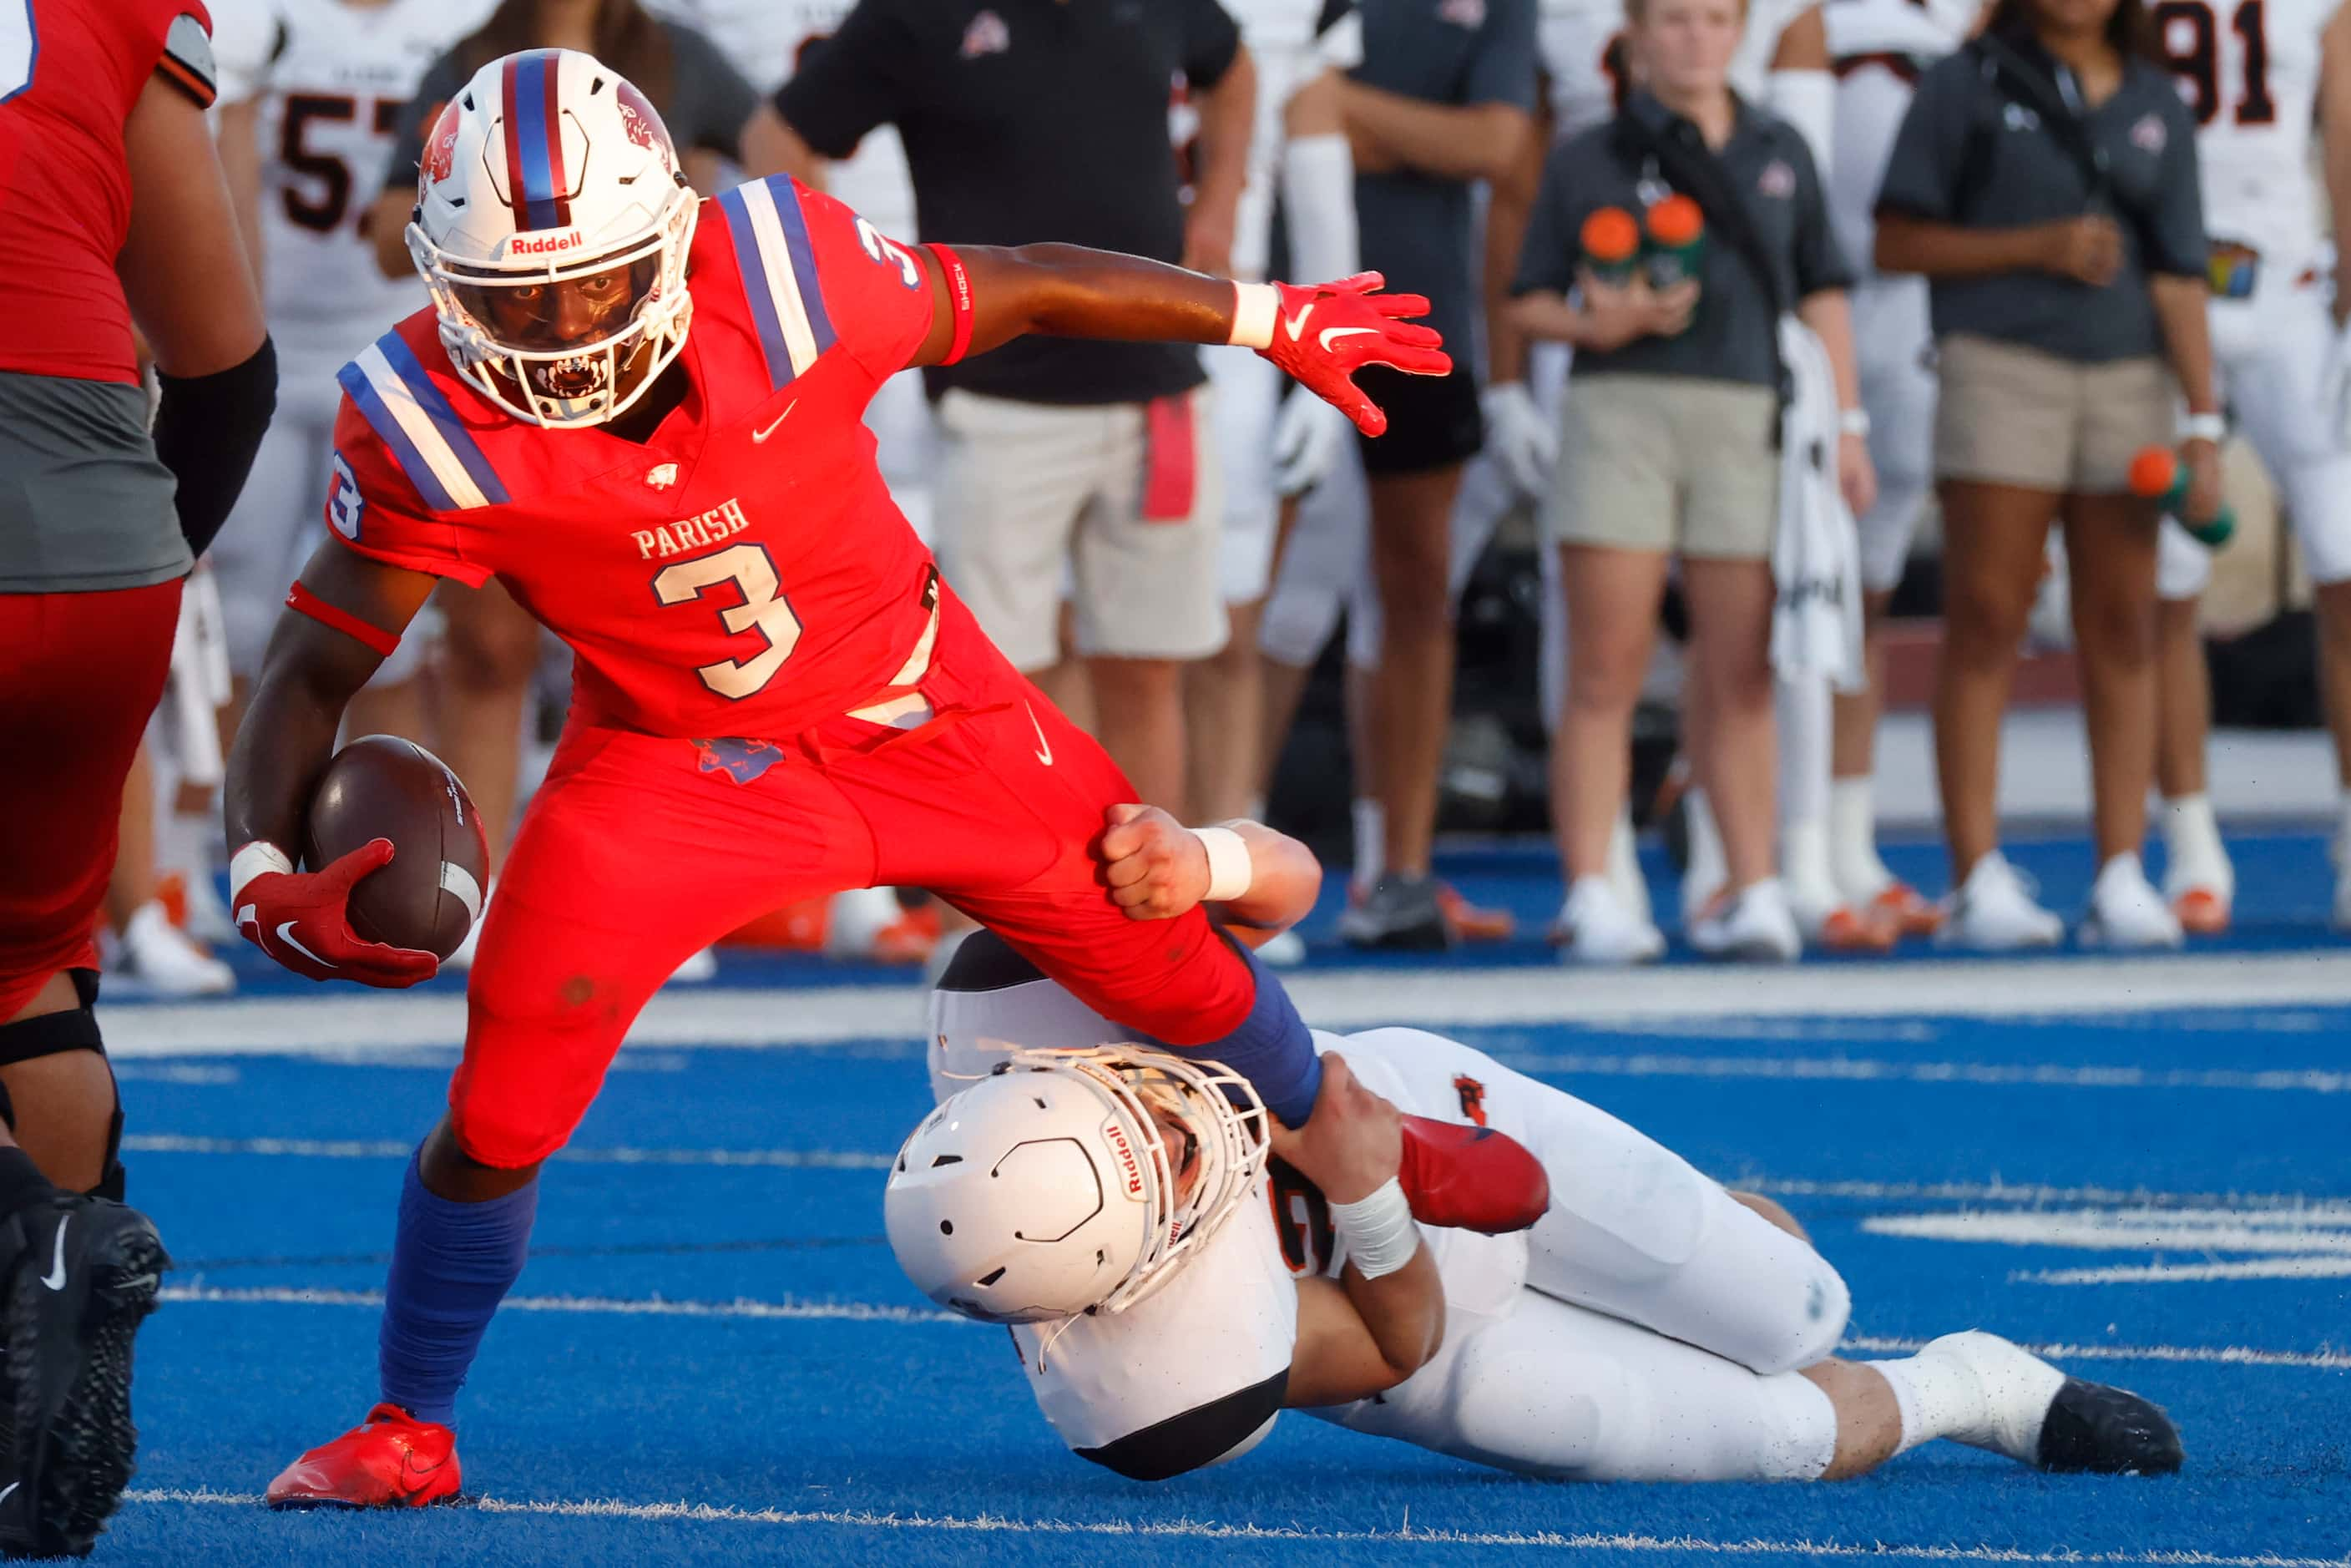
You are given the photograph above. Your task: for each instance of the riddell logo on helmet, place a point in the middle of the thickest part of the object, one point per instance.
(545, 243)
(1130, 1168)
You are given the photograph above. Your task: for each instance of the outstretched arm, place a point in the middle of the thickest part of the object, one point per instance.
(985, 296)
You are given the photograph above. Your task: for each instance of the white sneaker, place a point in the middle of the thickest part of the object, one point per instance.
(1283, 950)
(1595, 927)
(1754, 924)
(159, 954)
(2125, 912)
(703, 966)
(1994, 912)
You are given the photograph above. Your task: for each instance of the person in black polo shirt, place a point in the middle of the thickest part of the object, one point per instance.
(1038, 119)
(1445, 97)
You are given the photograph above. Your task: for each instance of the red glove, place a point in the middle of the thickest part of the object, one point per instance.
(298, 917)
(1321, 336)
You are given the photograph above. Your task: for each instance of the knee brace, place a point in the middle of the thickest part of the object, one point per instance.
(53, 1034)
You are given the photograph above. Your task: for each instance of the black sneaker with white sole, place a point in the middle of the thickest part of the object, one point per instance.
(2109, 1431)
(77, 1276)
(1401, 914)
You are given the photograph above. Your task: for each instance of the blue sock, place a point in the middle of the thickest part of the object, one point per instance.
(452, 1264)
(1271, 1048)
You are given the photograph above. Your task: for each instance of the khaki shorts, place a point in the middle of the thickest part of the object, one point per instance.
(1666, 462)
(2008, 414)
(1026, 492)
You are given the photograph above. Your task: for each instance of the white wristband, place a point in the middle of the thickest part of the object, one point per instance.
(1255, 306)
(1852, 421)
(1379, 1232)
(252, 860)
(1229, 871)
(2209, 427)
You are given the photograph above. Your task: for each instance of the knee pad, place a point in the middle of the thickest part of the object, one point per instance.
(53, 1034)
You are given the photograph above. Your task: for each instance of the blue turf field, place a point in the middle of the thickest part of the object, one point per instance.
(712, 1357)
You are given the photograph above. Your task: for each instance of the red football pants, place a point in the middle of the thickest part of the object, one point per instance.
(79, 673)
(640, 850)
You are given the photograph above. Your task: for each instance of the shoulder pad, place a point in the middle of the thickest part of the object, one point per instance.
(187, 59)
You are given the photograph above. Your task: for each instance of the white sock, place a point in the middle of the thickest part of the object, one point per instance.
(2191, 838)
(1804, 869)
(1370, 843)
(1708, 869)
(1624, 877)
(1974, 1388)
(1805, 712)
(1861, 874)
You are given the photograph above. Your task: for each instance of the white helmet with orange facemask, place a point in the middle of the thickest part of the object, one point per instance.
(552, 224)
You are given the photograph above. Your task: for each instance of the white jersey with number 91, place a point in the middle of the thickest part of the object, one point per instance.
(2248, 70)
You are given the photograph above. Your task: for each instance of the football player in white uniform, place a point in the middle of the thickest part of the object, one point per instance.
(1877, 48)
(1272, 446)
(2255, 75)
(1651, 1326)
(312, 137)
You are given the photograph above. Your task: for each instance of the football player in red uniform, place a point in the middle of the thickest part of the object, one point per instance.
(113, 210)
(775, 695)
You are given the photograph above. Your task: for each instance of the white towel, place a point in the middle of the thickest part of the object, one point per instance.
(198, 686)
(1816, 551)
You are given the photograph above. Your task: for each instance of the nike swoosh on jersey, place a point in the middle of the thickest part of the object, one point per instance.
(1331, 332)
(55, 1277)
(760, 435)
(1044, 746)
(286, 935)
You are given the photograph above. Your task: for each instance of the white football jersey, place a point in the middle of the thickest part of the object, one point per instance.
(1877, 48)
(767, 40)
(336, 82)
(1291, 42)
(1578, 40)
(1228, 1321)
(2248, 71)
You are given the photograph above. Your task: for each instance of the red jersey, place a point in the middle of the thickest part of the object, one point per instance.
(70, 72)
(744, 572)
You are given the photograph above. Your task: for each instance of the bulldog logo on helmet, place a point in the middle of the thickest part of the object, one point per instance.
(441, 148)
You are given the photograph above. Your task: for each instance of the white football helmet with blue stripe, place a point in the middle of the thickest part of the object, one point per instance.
(553, 224)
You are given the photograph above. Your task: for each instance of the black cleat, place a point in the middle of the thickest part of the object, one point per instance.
(1402, 914)
(80, 1274)
(2108, 1431)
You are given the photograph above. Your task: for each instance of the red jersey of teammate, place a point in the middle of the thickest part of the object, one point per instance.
(744, 571)
(70, 72)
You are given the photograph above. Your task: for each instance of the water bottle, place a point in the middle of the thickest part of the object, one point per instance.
(1611, 247)
(1673, 246)
(2157, 473)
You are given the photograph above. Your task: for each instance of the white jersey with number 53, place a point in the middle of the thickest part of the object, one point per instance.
(2248, 70)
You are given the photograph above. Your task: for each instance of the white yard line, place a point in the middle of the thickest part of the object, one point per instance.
(340, 1023)
(1201, 1530)
(400, 1149)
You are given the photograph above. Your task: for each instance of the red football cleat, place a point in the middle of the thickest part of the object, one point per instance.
(1473, 923)
(389, 1460)
(1473, 1178)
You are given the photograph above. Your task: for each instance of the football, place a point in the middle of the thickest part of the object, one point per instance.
(381, 787)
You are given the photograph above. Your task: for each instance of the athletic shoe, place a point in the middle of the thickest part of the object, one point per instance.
(1403, 913)
(1470, 922)
(2201, 912)
(1993, 912)
(1595, 927)
(2125, 912)
(1473, 1178)
(1912, 912)
(2109, 1432)
(82, 1274)
(1752, 924)
(389, 1460)
(170, 963)
(1825, 920)
(1283, 950)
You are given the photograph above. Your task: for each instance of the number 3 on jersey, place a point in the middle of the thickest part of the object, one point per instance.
(19, 45)
(764, 608)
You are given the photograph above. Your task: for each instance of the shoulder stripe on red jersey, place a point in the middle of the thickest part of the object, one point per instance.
(779, 277)
(535, 142)
(393, 393)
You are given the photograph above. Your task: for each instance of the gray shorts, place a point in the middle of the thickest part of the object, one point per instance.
(1026, 491)
(2006, 414)
(1666, 462)
(84, 505)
